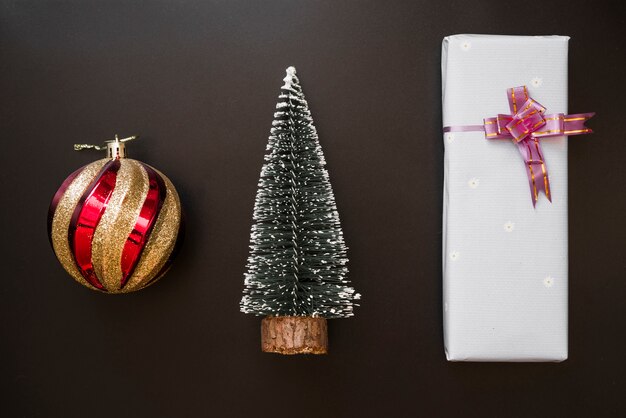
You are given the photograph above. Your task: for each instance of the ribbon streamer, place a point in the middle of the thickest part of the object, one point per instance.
(524, 126)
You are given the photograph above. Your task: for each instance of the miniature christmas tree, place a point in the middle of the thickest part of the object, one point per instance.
(297, 266)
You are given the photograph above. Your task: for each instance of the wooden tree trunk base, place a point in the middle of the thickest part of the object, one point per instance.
(294, 335)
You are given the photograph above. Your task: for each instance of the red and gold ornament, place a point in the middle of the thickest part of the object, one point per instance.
(115, 224)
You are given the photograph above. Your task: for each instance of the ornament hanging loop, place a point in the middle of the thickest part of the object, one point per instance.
(115, 147)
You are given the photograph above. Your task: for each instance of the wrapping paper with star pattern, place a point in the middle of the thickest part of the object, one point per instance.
(504, 261)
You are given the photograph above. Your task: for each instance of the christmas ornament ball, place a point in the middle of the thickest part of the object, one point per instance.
(115, 224)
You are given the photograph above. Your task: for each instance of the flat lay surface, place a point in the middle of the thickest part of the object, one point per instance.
(199, 81)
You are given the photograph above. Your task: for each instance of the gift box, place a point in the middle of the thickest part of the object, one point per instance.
(505, 197)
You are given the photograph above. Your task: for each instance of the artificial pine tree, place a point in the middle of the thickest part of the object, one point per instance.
(297, 266)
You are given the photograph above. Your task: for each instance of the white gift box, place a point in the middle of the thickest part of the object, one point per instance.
(504, 261)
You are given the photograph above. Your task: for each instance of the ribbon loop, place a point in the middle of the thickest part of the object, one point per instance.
(517, 97)
(526, 122)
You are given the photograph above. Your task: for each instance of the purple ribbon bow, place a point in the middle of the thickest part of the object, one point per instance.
(524, 126)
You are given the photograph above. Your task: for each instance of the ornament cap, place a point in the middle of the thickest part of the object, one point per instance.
(115, 148)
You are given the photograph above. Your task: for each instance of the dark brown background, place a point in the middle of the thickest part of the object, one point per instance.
(199, 82)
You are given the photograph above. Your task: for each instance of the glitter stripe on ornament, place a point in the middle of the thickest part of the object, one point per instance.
(63, 215)
(180, 238)
(86, 217)
(57, 198)
(117, 223)
(160, 247)
(136, 241)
